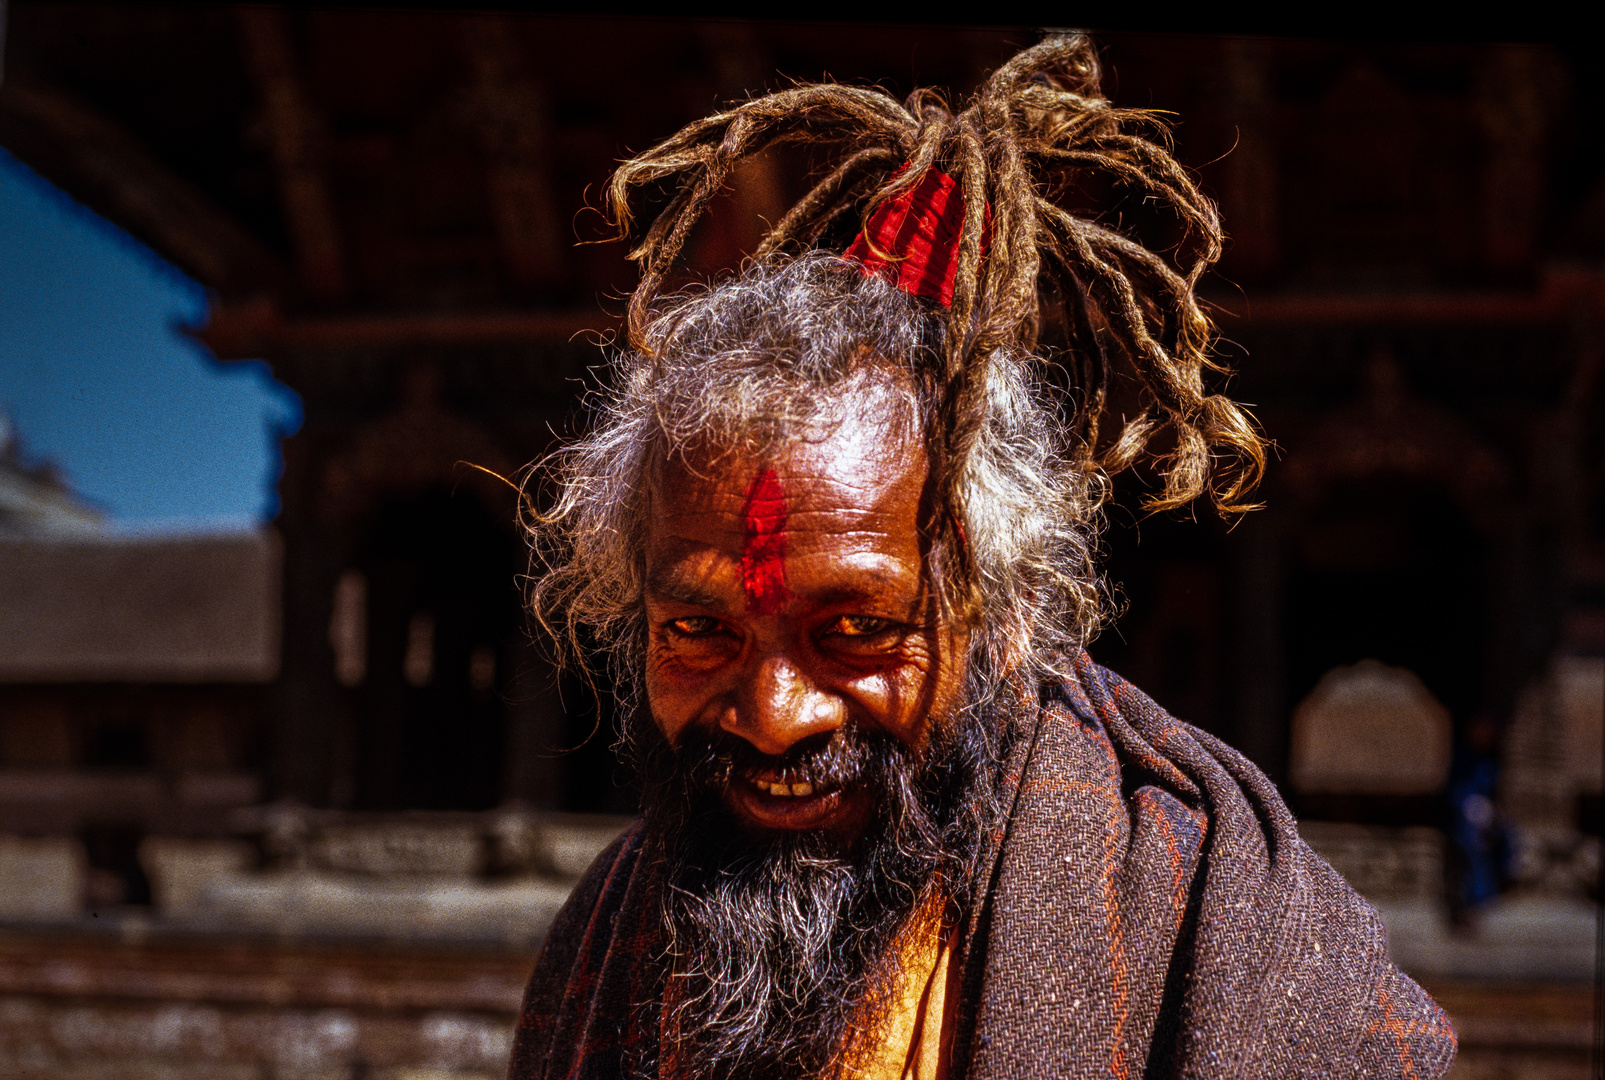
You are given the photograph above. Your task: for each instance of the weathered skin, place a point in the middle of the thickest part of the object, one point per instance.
(851, 635)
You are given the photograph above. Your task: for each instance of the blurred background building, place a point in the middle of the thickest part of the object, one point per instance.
(300, 802)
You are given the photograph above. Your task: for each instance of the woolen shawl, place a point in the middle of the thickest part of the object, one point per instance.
(1148, 910)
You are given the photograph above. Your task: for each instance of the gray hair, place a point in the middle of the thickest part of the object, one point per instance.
(747, 364)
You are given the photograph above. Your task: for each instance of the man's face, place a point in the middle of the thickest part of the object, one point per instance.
(787, 603)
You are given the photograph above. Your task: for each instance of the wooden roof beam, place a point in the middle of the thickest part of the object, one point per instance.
(297, 140)
(97, 162)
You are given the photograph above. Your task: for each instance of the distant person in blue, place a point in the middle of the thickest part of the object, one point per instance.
(1479, 853)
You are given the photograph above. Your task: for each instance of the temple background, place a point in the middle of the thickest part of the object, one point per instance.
(300, 803)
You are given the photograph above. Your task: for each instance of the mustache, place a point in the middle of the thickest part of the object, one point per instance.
(842, 758)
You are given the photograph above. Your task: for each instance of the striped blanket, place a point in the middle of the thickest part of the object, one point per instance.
(1149, 911)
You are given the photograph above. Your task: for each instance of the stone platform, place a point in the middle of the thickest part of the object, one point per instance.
(92, 1006)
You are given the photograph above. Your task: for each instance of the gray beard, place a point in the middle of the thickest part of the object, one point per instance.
(780, 944)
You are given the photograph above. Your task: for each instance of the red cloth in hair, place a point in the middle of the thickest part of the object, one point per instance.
(919, 229)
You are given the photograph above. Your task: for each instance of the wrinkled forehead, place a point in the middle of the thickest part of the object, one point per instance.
(857, 450)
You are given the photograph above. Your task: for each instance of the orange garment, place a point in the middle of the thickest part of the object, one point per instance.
(913, 1040)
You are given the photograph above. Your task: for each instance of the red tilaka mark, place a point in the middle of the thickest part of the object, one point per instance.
(763, 566)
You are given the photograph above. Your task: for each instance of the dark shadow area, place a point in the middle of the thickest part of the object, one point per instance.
(430, 719)
(1390, 569)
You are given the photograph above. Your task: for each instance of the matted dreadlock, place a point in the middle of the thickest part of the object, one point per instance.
(1036, 139)
(1035, 132)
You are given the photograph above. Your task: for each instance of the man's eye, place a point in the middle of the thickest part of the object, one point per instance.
(859, 625)
(694, 626)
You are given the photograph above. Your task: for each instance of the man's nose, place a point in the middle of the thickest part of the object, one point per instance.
(780, 707)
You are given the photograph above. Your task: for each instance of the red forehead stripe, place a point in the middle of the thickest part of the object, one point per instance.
(763, 566)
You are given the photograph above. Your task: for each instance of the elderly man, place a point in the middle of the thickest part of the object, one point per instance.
(835, 528)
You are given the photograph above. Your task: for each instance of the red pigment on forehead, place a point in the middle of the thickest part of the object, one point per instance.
(763, 567)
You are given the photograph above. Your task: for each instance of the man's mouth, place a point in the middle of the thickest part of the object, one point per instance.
(774, 800)
(800, 790)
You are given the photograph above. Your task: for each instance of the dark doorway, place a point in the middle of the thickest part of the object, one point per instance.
(595, 780)
(1389, 568)
(442, 606)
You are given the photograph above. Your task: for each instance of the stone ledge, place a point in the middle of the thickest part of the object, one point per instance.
(265, 972)
(55, 1038)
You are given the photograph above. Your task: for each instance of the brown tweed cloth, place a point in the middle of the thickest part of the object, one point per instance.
(1149, 912)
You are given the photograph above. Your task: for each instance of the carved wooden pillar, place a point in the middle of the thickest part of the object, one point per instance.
(1514, 103)
(296, 139)
(1250, 196)
(509, 114)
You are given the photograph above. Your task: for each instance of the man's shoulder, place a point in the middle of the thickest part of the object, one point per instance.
(582, 920)
(577, 945)
(1122, 799)
(610, 868)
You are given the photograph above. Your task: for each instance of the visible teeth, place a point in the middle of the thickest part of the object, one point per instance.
(800, 790)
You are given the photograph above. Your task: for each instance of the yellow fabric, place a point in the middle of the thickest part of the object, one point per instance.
(909, 1042)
